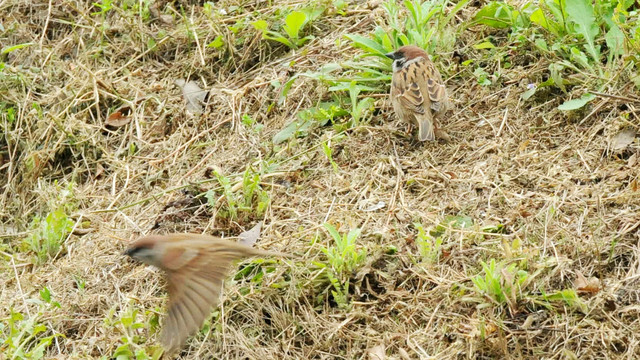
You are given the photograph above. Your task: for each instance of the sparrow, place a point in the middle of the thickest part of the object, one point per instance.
(418, 93)
(195, 266)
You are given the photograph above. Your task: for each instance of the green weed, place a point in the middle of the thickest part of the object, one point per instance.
(430, 248)
(48, 234)
(294, 22)
(427, 26)
(309, 119)
(134, 328)
(247, 198)
(577, 36)
(501, 284)
(343, 258)
(24, 338)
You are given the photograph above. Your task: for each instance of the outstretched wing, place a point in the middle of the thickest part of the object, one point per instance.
(195, 278)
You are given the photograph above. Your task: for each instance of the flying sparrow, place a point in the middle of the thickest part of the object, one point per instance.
(195, 267)
(418, 93)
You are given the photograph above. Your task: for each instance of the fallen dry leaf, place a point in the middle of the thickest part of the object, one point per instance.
(167, 19)
(120, 117)
(623, 139)
(193, 94)
(377, 353)
(582, 285)
(250, 237)
(633, 160)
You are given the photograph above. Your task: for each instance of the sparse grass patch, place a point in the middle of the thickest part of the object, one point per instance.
(48, 234)
(245, 198)
(134, 328)
(344, 257)
(27, 337)
(469, 249)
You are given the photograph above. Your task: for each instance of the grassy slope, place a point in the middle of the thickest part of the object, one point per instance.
(566, 205)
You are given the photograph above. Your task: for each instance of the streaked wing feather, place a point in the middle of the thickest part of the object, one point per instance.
(411, 98)
(195, 289)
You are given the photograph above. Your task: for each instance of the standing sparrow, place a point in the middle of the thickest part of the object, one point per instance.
(418, 93)
(195, 266)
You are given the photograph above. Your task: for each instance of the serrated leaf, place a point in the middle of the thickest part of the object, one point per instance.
(581, 13)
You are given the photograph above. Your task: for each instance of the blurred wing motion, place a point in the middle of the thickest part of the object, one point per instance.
(196, 267)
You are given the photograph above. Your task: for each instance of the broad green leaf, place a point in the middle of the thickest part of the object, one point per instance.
(538, 17)
(576, 103)
(615, 41)
(292, 129)
(555, 70)
(529, 93)
(541, 44)
(272, 35)
(294, 23)
(579, 57)
(581, 13)
(496, 14)
(312, 13)
(458, 221)
(260, 25)
(216, 43)
(334, 233)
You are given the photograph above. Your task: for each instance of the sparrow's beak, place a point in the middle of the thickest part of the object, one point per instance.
(391, 55)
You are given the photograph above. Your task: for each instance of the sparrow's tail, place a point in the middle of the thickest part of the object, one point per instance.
(425, 129)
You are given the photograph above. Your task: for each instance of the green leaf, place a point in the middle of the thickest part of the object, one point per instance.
(615, 41)
(459, 221)
(294, 23)
(333, 232)
(260, 25)
(312, 13)
(367, 44)
(555, 70)
(576, 103)
(496, 14)
(216, 43)
(538, 17)
(484, 45)
(272, 35)
(581, 13)
(9, 49)
(289, 131)
(579, 57)
(529, 93)
(45, 294)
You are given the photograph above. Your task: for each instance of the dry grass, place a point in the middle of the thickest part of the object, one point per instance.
(549, 178)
